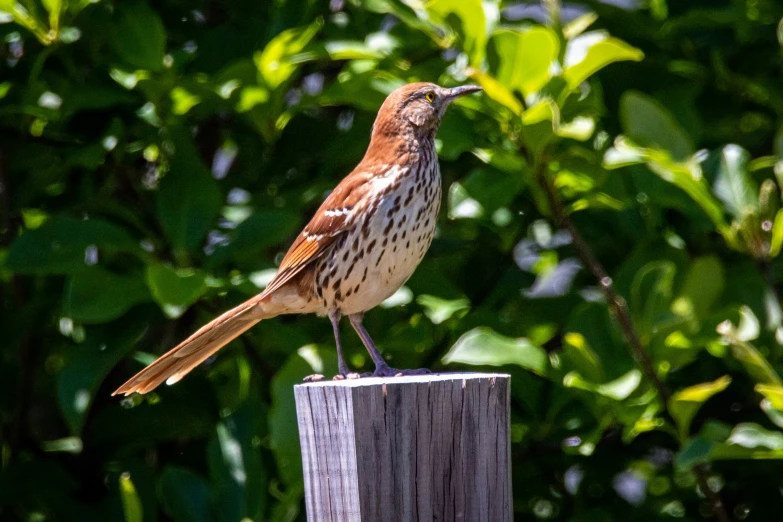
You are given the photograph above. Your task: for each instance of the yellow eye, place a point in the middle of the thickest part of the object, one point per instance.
(430, 96)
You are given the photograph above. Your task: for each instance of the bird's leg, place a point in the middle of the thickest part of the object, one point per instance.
(382, 369)
(342, 368)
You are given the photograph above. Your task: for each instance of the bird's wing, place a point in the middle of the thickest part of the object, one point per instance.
(334, 217)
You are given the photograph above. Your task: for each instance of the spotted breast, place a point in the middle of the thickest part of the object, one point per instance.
(394, 229)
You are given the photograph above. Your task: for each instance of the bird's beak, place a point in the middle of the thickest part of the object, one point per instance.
(460, 91)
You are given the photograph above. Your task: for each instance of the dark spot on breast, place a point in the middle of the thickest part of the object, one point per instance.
(364, 277)
(349, 292)
(371, 246)
(348, 272)
(404, 234)
(326, 280)
(345, 256)
(356, 289)
(408, 245)
(388, 227)
(336, 284)
(394, 238)
(397, 200)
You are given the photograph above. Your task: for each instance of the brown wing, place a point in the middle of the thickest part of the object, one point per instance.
(334, 217)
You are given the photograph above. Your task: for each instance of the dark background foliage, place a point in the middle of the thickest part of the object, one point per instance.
(157, 158)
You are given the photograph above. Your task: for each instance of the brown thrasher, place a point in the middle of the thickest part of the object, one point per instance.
(361, 246)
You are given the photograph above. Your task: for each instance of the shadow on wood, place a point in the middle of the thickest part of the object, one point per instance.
(431, 447)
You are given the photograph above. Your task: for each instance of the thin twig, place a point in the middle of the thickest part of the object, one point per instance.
(619, 309)
(617, 304)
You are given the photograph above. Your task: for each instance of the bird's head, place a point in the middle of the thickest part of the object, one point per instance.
(418, 107)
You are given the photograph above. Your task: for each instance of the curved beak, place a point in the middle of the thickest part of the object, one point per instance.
(462, 90)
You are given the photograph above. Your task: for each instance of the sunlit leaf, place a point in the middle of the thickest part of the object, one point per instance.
(773, 392)
(777, 235)
(471, 26)
(525, 58)
(685, 403)
(131, 504)
(733, 184)
(439, 310)
(498, 92)
(590, 52)
(618, 389)
(276, 61)
(483, 346)
(751, 435)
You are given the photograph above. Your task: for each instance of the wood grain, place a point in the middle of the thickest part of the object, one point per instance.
(433, 447)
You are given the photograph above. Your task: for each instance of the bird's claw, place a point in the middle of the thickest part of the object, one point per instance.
(316, 377)
(349, 376)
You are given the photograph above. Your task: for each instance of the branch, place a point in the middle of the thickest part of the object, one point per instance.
(619, 310)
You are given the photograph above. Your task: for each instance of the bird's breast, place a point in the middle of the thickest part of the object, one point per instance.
(388, 240)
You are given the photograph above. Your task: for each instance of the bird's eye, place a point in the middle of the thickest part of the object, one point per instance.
(430, 96)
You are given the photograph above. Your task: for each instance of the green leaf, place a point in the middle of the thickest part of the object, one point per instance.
(777, 235)
(185, 495)
(439, 310)
(685, 175)
(466, 19)
(60, 245)
(87, 364)
(618, 389)
(137, 35)
(703, 284)
(189, 199)
(773, 392)
(685, 403)
(237, 472)
(525, 58)
(498, 92)
(263, 229)
(733, 184)
(282, 417)
(650, 124)
(751, 435)
(651, 296)
(55, 8)
(276, 62)
(174, 289)
(484, 347)
(96, 295)
(590, 52)
(694, 452)
(131, 503)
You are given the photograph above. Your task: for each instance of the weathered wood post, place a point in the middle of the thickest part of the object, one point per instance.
(423, 448)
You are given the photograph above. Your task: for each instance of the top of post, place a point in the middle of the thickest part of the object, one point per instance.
(407, 379)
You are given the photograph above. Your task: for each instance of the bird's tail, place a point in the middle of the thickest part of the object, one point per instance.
(180, 360)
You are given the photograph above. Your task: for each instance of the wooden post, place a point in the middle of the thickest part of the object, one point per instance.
(420, 448)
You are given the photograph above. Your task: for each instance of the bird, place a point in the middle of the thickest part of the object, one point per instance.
(360, 247)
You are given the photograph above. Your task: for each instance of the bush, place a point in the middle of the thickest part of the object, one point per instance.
(610, 237)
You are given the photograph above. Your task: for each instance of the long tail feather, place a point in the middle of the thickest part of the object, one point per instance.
(180, 360)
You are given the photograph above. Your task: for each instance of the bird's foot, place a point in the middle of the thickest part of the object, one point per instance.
(349, 375)
(316, 377)
(388, 371)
